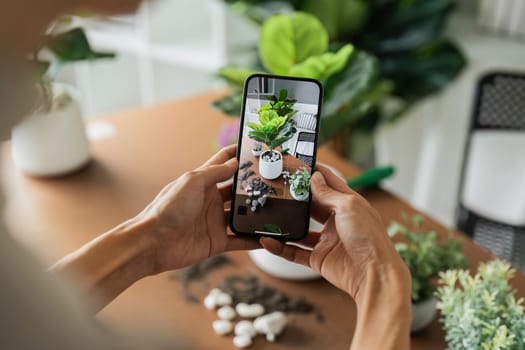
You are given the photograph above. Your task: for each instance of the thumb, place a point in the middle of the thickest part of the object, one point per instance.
(214, 174)
(324, 195)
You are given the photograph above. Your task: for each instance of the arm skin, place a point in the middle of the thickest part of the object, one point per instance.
(185, 224)
(354, 253)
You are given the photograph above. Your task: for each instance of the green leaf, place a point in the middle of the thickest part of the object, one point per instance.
(361, 71)
(235, 76)
(73, 45)
(230, 104)
(290, 39)
(272, 228)
(322, 66)
(254, 126)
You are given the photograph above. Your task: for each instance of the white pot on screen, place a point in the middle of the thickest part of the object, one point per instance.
(52, 143)
(270, 164)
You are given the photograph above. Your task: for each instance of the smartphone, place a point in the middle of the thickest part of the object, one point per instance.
(276, 152)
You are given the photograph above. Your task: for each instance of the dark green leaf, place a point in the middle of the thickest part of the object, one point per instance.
(272, 228)
(73, 45)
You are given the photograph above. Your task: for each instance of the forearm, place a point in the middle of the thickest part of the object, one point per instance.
(384, 312)
(107, 265)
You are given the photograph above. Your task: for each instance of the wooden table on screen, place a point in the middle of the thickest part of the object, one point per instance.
(152, 147)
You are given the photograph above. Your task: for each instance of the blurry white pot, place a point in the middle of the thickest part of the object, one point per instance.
(282, 268)
(423, 314)
(51, 144)
(270, 170)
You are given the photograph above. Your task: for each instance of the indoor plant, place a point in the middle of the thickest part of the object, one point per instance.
(426, 255)
(481, 312)
(400, 57)
(300, 184)
(52, 139)
(276, 127)
(257, 148)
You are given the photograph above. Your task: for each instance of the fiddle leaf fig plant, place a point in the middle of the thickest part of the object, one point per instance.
(481, 312)
(426, 254)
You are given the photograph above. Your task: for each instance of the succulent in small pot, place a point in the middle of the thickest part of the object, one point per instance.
(257, 148)
(300, 184)
(481, 311)
(275, 128)
(427, 255)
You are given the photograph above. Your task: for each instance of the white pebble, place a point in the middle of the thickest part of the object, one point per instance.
(222, 327)
(226, 313)
(210, 302)
(242, 341)
(245, 328)
(249, 311)
(273, 323)
(270, 337)
(223, 299)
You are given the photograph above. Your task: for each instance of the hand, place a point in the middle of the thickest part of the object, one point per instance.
(187, 219)
(352, 242)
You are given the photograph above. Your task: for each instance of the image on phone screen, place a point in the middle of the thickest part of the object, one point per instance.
(277, 151)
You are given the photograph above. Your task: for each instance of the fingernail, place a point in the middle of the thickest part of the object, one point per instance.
(318, 178)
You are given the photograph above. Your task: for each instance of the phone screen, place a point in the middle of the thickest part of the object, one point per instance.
(276, 152)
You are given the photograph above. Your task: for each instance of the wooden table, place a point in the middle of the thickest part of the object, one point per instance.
(153, 146)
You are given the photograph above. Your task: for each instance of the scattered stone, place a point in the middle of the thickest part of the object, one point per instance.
(245, 327)
(242, 341)
(262, 200)
(271, 324)
(222, 327)
(246, 165)
(248, 201)
(226, 313)
(249, 310)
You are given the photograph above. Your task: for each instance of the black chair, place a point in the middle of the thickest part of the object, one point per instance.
(305, 137)
(499, 109)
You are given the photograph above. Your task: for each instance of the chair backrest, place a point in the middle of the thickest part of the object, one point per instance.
(492, 190)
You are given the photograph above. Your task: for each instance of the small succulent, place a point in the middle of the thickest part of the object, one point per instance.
(481, 311)
(300, 182)
(426, 255)
(257, 146)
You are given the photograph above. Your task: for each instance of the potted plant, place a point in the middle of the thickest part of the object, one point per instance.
(426, 255)
(300, 184)
(257, 148)
(481, 312)
(276, 127)
(52, 139)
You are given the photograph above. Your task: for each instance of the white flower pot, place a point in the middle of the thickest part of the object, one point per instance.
(298, 197)
(256, 153)
(51, 144)
(270, 170)
(423, 314)
(282, 268)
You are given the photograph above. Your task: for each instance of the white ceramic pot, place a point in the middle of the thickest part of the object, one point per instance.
(423, 314)
(282, 268)
(270, 170)
(256, 153)
(51, 144)
(298, 197)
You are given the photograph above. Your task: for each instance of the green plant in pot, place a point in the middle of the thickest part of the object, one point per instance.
(300, 184)
(275, 127)
(481, 312)
(400, 57)
(57, 117)
(427, 255)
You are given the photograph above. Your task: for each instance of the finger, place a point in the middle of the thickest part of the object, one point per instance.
(309, 241)
(214, 174)
(335, 181)
(225, 189)
(241, 243)
(288, 252)
(325, 199)
(222, 156)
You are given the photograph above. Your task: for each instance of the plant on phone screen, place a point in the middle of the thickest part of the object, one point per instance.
(257, 146)
(276, 124)
(300, 182)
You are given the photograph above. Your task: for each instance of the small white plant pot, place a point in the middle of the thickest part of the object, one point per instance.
(281, 268)
(256, 153)
(51, 144)
(298, 197)
(270, 169)
(423, 314)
